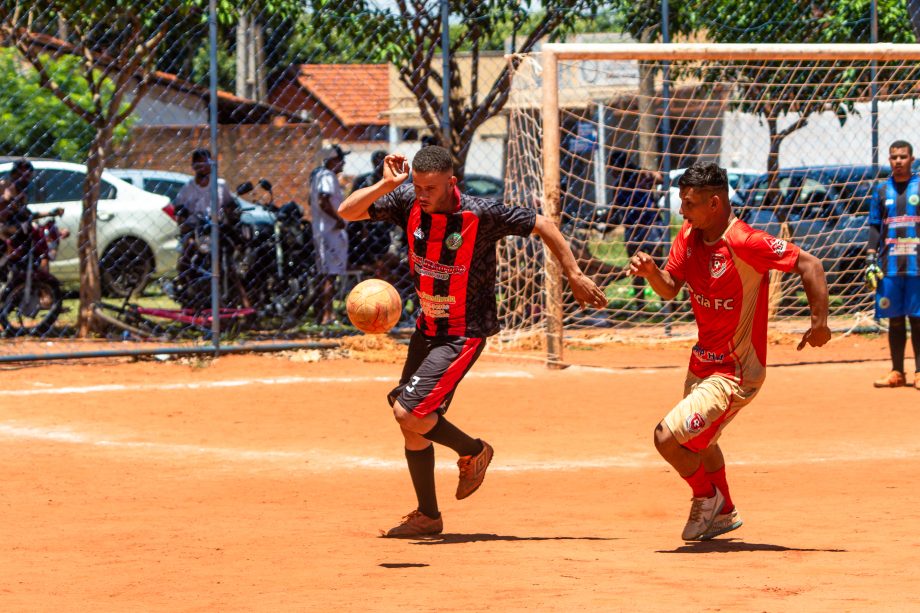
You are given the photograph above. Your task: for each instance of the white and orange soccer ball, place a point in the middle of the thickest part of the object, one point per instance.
(373, 306)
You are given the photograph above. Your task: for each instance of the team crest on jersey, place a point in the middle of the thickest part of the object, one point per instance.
(695, 423)
(914, 199)
(718, 264)
(453, 241)
(778, 245)
(419, 234)
(689, 251)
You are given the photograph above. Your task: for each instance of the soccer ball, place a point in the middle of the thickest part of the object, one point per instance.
(373, 306)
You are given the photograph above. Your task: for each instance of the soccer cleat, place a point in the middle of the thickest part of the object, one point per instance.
(415, 524)
(917, 380)
(724, 522)
(703, 512)
(893, 379)
(473, 470)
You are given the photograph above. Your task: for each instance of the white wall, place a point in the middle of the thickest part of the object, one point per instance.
(823, 141)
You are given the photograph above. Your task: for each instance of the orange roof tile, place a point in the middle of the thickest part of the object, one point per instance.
(356, 93)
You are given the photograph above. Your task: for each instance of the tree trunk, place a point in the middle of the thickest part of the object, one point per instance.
(90, 283)
(648, 121)
(250, 60)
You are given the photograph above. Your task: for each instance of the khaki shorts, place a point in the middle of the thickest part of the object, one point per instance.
(708, 405)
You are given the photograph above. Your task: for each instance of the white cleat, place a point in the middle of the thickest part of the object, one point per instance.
(703, 512)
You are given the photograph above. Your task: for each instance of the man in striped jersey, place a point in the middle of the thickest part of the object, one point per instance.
(894, 248)
(452, 258)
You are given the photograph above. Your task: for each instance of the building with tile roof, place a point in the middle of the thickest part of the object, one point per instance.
(347, 101)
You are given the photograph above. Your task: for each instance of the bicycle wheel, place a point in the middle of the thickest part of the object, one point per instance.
(126, 320)
(34, 312)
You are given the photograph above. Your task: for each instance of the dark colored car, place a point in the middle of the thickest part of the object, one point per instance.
(826, 209)
(483, 186)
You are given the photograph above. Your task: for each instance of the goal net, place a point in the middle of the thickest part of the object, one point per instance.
(599, 135)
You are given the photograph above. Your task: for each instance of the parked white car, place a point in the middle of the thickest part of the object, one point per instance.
(136, 239)
(168, 183)
(162, 182)
(737, 179)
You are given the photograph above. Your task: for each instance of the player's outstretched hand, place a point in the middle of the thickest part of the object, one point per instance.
(816, 337)
(395, 168)
(586, 291)
(641, 264)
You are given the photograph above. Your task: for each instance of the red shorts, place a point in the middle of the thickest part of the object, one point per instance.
(434, 367)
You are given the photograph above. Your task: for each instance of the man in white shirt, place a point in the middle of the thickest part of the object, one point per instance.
(195, 196)
(193, 204)
(329, 235)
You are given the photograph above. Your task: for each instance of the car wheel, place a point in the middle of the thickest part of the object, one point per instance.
(126, 267)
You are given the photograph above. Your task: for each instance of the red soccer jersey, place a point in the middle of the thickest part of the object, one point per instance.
(729, 284)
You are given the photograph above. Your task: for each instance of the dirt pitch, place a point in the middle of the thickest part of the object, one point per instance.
(259, 483)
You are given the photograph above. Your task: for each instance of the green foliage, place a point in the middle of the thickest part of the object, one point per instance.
(34, 122)
(773, 89)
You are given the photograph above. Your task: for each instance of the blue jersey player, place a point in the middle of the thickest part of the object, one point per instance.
(894, 249)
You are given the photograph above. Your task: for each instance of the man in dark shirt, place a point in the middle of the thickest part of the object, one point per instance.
(452, 257)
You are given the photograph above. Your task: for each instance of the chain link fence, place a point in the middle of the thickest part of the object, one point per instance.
(116, 117)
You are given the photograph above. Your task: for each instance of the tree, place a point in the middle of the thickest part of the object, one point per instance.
(409, 36)
(774, 90)
(33, 122)
(642, 20)
(116, 43)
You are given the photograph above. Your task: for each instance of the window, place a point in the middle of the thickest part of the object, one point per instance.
(163, 187)
(52, 186)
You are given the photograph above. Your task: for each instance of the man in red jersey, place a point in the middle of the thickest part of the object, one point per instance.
(724, 262)
(452, 258)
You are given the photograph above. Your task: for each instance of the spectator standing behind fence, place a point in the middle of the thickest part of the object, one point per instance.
(894, 255)
(643, 226)
(330, 236)
(368, 241)
(193, 204)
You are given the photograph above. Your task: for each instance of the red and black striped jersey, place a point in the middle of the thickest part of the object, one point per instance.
(452, 257)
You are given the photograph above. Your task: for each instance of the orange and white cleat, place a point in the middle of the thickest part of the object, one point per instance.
(893, 379)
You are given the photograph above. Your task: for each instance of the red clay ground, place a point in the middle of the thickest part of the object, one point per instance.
(258, 483)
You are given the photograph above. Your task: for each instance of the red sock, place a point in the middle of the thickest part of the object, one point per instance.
(718, 479)
(700, 483)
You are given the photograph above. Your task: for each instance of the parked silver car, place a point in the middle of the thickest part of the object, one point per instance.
(136, 239)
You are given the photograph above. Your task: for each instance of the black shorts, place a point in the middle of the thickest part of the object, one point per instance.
(434, 367)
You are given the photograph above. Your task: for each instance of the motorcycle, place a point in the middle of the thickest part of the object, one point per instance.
(192, 286)
(280, 262)
(31, 298)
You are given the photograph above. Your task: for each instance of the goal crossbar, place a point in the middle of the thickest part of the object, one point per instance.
(731, 51)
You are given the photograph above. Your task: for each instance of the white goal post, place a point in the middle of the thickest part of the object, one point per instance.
(584, 116)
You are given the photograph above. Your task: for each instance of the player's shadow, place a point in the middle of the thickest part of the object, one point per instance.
(452, 539)
(735, 546)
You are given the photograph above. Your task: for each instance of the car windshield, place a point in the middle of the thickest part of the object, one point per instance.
(811, 194)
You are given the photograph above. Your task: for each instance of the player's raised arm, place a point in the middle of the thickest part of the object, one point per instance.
(395, 171)
(584, 289)
(643, 265)
(813, 280)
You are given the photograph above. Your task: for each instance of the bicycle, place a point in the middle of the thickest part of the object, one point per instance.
(146, 323)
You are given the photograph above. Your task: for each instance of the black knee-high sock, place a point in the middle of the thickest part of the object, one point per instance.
(449, 435)
(421, 469)
(897, 341)
(915, 341)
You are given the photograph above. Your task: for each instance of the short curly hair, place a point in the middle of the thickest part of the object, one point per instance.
(432, 159)
(702, 175)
